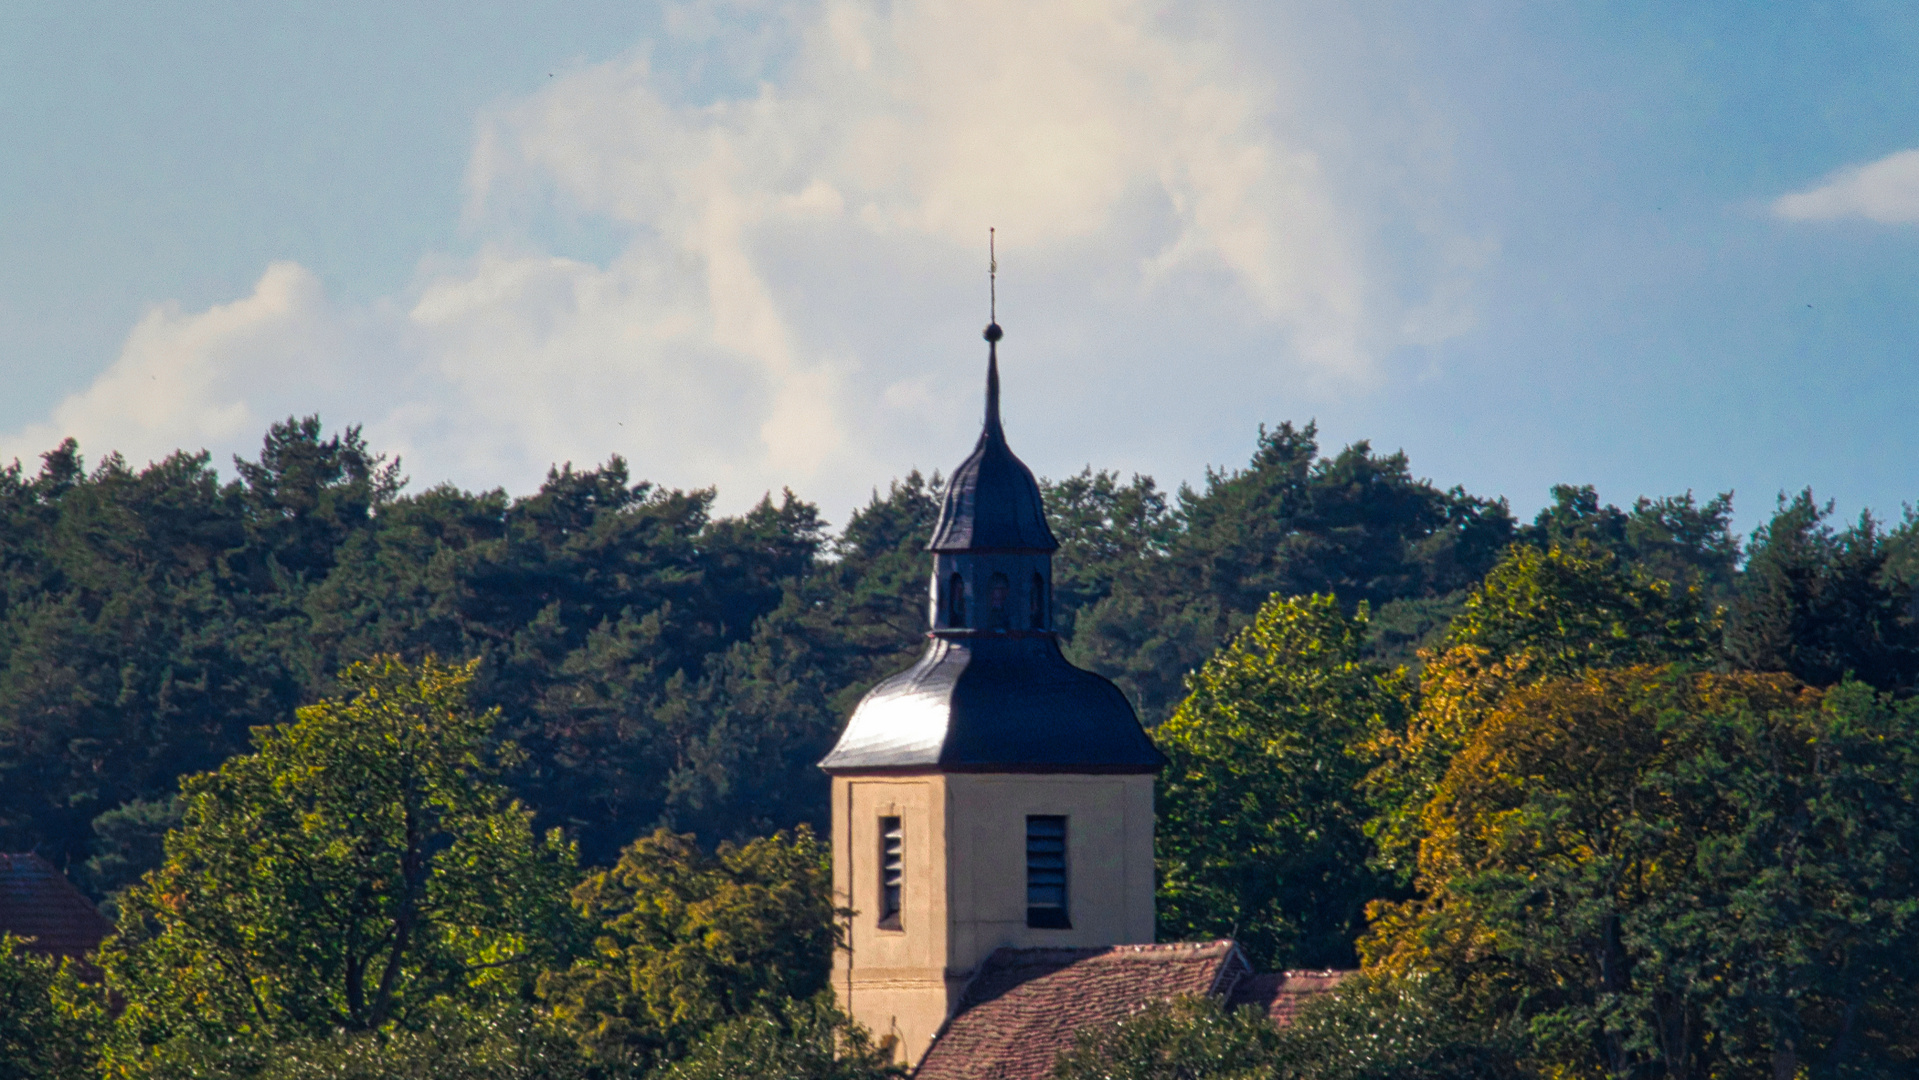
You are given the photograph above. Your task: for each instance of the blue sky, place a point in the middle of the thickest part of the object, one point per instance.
(1648, 247)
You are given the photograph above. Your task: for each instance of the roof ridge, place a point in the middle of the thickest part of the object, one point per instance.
(1023, 1005)
(1159, 948)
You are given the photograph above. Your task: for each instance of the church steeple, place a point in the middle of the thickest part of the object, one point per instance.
(1002, 696)
(992, 794)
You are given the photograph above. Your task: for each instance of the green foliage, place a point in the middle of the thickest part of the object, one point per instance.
(1380, 1028)
(1686, 874)
(52, 1024)
(129, 839)
(686, 941)
(497, 1041)
(1370, 1028)
(1357, 526)
(595, 606)
(748, 735)
(1261, 825)
(1107, 531)
(503, 1042)
(1742, 844)
(358, 868)
(1537, 614)
(1674, 539)
(660, 665)
(132, 639)
(1824, 605)
(802, 1040)
(1567, 609)
(1187, 1038)
(150, 619)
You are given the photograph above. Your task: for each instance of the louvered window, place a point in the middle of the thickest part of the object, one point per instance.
(892, 871)
(1046, 872)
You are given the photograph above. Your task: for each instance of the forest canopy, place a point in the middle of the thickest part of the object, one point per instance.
(646, 653)
(1613, 792)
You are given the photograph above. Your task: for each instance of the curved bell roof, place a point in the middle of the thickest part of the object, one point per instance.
(994, 700)
(1006, 702)
(992, 501)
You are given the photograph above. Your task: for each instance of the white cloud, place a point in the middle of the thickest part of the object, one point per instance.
(212, 378)
(1885, 191)
(801, 258)
(920, 123)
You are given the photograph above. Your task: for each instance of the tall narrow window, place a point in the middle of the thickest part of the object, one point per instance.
(996, 591)
(1039, 601)
(1046, 872)
(955, 601)
(892, 871)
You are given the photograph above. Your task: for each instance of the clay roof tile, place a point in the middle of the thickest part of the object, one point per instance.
(1280, 994)
(1025, 1005)
(37, 901)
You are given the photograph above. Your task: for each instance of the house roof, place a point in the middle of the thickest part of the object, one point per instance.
(995, 703)
(37, 901)
(1025, 1005)
(1280, 994)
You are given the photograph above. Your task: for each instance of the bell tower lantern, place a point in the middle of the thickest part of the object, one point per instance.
(992, 794)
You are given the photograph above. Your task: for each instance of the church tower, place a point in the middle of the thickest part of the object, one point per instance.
(993, 795)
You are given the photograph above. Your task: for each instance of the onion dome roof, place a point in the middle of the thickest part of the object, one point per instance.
(992, 501)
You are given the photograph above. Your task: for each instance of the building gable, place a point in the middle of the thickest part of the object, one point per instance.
(38, 902)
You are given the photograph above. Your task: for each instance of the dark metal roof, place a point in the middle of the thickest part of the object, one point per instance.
(995, 702)
(992, 501)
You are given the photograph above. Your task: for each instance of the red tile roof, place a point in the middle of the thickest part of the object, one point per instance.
(1025, 1005)
(37, 901)
(1280, 994)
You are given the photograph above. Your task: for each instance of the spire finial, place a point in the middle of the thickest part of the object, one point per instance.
(992, 279)
(993, 334)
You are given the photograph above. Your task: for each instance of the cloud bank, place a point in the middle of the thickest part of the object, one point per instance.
(795, 297)
(215, 377)
(1885, 191)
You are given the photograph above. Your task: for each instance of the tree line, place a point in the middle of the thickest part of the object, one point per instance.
(1611, 793)
(660, 664)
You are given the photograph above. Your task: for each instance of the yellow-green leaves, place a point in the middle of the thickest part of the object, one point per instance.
(359, 865)
(1668, 872)
(52, 1024)
(688, 940)
(1538, 614)
(1261, 827)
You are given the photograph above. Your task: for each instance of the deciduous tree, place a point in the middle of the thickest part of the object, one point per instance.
(1678, 874)
(1187, 1038)
(53, 1024)
(361, 865)
(1261, 829)
(1538, 614)
(686, 941)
